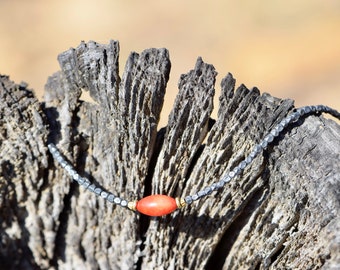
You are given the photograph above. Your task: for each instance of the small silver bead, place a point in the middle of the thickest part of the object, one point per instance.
(322, 108)
(111, 198)
(188, 199)
(237, 170)
(308, 109)
(220, 184)
(104, 194)
(257, 149)
(86, 183)
(70, 170)
(214, 187)
(284, 122)
(301, 111)
(208, 190)
(269, 138)
(194, 197)
(201, 193)
(297, 113)
(57, 154)
(63, 163)
(294, 116)
(264, 144)
(117, 200)
(249, 159)
(91, 187)
(72, 173)
(280, 127)
(52, 148)
(97, 191)
(81, 180)
(318, 108)
(275, 132)
(76, 177)
(313, 108)
(124, 203)
(243, 164)
(226, 179)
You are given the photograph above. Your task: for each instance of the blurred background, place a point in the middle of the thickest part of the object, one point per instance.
(290, 49)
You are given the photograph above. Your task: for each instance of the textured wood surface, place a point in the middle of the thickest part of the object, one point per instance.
(282, 213)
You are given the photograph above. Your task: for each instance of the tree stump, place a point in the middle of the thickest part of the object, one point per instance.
(282, 213)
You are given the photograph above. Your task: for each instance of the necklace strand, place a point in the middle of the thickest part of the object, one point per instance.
(159, 205)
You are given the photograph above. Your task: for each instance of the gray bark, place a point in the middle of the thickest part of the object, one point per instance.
(282, 213)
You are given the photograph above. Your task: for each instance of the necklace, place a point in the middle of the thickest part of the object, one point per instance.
(159, 205)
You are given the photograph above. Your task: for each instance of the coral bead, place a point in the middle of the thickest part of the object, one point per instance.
(156, 205)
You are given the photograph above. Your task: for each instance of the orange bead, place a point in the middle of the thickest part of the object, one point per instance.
(156, 205)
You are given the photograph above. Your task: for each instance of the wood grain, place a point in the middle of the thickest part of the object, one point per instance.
(281, 213)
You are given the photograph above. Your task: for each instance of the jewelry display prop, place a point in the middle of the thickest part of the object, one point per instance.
(277, 210)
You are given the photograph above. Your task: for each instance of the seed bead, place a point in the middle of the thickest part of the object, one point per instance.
(194, 197)
(295, 116)
(63, 163)
(214, 187)
(220, 184)
(124, 203)
(97, 191)
(269, 138)
(201, 193)
(243, 164)
(188, 199)
(264, 144)
(117, 200)
(85, 183)
(257, 149)
(248, 159)
(306, 109)
(279, 128)
(91, 188)
(104, 194)
(226, 179)
(231, 174)
(208, 190)
(111, 198)
(275, 132)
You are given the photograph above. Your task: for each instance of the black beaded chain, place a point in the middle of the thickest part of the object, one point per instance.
(257, 149)
(83, 181)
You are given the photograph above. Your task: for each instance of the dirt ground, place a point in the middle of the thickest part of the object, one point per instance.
(290, 49)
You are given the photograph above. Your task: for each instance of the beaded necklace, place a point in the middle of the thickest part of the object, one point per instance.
(159, 205)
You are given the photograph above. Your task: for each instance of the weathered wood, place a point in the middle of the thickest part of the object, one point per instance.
(282, 213)
(24, 184)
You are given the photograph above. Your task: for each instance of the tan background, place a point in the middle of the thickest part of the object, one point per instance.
(289, 48)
